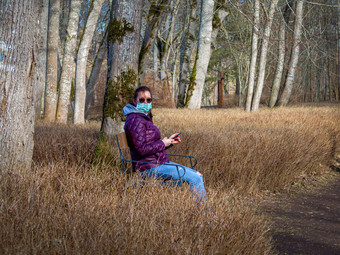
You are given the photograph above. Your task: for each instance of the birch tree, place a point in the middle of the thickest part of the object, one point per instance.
(67, 72)
(187, 47)
(203, 55)
(82, 56)
(284, 99)
(281, 52)
(263, 57)
(50, 101)
(18, 32)
(254, 51)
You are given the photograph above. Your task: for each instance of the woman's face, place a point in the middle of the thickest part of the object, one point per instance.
(143, 97)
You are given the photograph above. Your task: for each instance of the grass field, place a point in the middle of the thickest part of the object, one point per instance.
(67, 205)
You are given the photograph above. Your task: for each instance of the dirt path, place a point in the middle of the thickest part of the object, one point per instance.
(307, 222)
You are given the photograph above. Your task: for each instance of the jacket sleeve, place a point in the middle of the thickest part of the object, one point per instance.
(138, 137)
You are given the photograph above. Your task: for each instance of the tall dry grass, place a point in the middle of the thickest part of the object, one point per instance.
(66, 205)
(252, 152)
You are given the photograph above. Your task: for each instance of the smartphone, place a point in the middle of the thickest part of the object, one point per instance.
(176, 135)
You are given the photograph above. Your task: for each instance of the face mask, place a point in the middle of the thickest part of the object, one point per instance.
(144, 107)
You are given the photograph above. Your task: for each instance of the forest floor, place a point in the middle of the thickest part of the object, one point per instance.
(307, 220)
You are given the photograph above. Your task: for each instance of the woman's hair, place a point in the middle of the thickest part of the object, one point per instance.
(141, 89)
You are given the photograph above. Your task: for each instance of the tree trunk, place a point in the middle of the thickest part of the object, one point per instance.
(280, 64)
(123, 52)
(83, 52)
(263, 57)
(155, 62)
(40, 75)
(295, 55)
(67, 72)
(337, 87)
(165, 43)
(152, 23)
(52, 62)
(203, 54)
(254, 50)
(282, 52)
(91, 89)
(18, 33)
(189, 43)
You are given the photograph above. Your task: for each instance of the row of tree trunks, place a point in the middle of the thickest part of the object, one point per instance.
(287, 91)
(281, 52)
(82, 56)
(40, 74)
(187, 47)
(18, 34)
(50, 101)
(67, 72)
(263, 57)
(254, 51)
(203, 54)
(100, 65)
(153, 18)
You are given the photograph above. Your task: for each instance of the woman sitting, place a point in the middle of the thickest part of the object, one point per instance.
(144, 140)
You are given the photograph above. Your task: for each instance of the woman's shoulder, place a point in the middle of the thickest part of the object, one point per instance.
(134, 118)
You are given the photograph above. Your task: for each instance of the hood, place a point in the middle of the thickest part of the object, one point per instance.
(129, 108)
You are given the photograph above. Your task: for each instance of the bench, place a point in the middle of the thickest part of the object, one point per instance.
(123, 145)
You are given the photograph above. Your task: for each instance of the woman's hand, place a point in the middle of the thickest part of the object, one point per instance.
(176, 139)
(168, 141)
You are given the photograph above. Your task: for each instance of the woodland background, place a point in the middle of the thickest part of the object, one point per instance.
(78, 62)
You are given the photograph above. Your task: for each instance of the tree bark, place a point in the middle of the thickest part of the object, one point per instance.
(52, 62)
(40, 74)
(280, 64)
(67, 72)
(282, 52)
(188, 46)
(82, 56)
(18, 33)
(254, 50)
(337, 87)
(99, 64)
(294, 57)
(203, 54)
(263, 57)
(152, 23)
(123, 52)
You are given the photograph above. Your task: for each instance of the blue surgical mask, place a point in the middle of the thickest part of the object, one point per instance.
(144, 107)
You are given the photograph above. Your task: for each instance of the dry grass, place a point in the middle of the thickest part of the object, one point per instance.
(252, 152)
(65, 205)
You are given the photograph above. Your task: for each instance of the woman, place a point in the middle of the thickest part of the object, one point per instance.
(145, 143)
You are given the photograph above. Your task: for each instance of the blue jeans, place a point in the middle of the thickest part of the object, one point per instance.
(169, 171)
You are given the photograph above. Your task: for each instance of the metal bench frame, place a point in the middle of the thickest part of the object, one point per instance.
(122, 144)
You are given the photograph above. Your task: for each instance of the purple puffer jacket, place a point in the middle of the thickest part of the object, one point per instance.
(144, 141)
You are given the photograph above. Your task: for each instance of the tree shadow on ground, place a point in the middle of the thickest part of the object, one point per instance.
(307, 222)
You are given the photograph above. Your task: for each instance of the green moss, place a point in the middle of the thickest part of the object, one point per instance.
(117, 29)
(118, 93)
(144, 49)
(216, 22)
(192, 83)
(73, 92)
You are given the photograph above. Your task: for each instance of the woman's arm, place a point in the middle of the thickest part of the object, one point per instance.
(137, 132)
